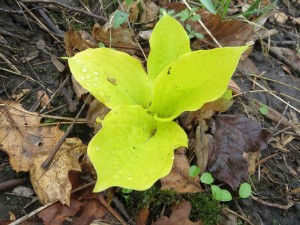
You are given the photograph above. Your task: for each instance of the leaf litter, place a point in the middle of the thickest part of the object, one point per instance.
(38, 140)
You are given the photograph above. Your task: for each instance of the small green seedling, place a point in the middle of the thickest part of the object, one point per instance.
(245, 190)
(187, 14)
(206, 178)
(135, 146)
(263, 109)
(194, 171)
(224, 195)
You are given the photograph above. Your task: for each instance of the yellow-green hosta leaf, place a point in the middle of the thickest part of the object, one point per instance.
(194, 79)
(132, 150)
(113, 77)
(168, 42)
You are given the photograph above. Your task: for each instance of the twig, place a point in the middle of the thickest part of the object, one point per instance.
(277, 54)
(280, 99)
(43, 115)
(9, 64)
(238, 215)
(67, 7)
(55, 93)
(26, 77)
(20, 220)
(6, 33)
(46, 164)
(50, 23)
(110, 209)
(203, 25)
(285, 207)
(39, 22)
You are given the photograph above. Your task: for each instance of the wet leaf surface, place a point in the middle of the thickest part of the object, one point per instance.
(235, 134)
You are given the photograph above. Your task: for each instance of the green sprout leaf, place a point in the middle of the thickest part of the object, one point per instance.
(263, 109)
(206, 178)
(209, 6)
(192, 80)
(114, 78)
(220, 194)
(168, 42)
(119, 18)
(132, 150)
(194, 171)
(128, 2)
(245, 190)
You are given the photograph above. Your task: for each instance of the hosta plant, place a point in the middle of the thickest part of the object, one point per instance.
(135, 146)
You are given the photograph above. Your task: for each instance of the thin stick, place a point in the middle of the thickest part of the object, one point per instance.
(203, 25)
(238, 215)
(27, 77)
(285, 207)
(110, 209)
(46, 164)
(280, 99)
(55, 93)
(67, 7)
(39, 22)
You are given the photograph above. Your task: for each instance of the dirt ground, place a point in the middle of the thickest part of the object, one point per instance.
(27, 46)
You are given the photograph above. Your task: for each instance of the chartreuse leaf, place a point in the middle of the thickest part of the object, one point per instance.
(220, 194)
(168, 42)
(132, 150)
(113, 77)
(192, 80)
(245, 190)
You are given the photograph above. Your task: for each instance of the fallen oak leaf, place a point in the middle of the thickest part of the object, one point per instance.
(65, 160)
(235, 134)
(22, 137)
(180, 216)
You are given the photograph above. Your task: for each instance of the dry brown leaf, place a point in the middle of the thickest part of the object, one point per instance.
(120, 38)
(204, 144)
(180, 216)
(228, 33)
(96, 109)
(58, 213)
(150, 12)
(252, 158)
(44, 98)
(142, 216)
(178, 179)
(20, 95)
(281, 17)
(59, 66)
(80, 92)
(78, 41)
(22, 137)
(66, 159)
(92, 210)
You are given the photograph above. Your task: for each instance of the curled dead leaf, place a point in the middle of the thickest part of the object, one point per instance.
(235, 134)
